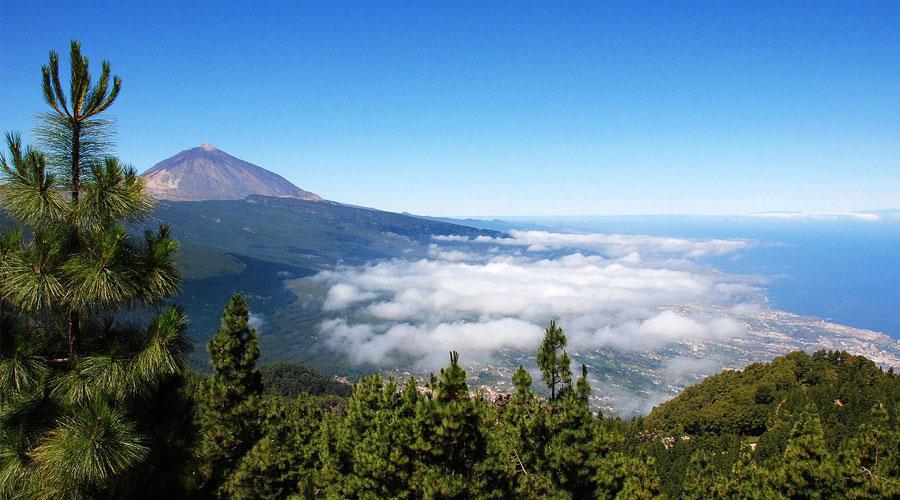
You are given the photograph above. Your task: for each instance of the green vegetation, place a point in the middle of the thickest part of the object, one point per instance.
(555, 367)
(291, 380)
(765, 399)
(802, 413)
(81, 390)
(93, 406)
(229, 399)
(296, 232)
(441, 440)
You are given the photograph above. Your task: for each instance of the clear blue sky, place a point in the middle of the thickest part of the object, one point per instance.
(501, 108)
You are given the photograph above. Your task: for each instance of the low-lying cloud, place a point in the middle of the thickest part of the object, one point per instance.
(617, 245)
(491, 295)
(427, 344)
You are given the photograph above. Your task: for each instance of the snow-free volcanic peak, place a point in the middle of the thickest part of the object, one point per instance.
(207, 173)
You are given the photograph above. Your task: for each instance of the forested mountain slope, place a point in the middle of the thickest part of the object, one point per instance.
(817, 420)
(291, 380)
(299, 232)
(763, 397)
(252, 246)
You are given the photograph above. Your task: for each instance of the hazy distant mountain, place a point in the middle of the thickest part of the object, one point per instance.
(205, 173)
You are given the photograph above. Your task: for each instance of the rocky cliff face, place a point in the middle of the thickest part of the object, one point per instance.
(205, 173)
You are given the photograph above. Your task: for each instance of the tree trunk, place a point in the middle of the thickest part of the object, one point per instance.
(73, 330)
(73, 335)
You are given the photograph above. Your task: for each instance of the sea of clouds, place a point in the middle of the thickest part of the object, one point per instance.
(486, 295)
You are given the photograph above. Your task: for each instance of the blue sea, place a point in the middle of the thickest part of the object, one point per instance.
(843, 270)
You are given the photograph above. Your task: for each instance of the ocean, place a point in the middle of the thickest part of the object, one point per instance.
(841, 269)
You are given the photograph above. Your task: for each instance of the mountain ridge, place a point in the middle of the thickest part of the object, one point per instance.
(207, 173)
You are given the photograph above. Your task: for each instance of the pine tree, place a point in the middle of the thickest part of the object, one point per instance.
(521, 380)
(528, 417)
(371, 451)
(583, 388)
(285, 458)
(367, 436)
(400, 426)
(229, 398)
(554, 365)
(747, 479)
(451, 385)
(569, 450)
(870, 460)
(498, 473)
(76, 136)
(450, 442)
(808, 470)
(626, 475)
(74, 376)
(700, 479)
(642, 482)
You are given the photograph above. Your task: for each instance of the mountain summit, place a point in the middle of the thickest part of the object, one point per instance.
(206, 173)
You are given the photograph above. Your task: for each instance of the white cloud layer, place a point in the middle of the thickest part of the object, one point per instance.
(617, 245)
(608, 291)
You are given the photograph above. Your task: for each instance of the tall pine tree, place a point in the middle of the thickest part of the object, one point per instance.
(75, 378)
(450, 441)
(529, 418)
(229, 398)
(569, 449)
(808, 470)
(370, 450)
(870, 460)
(284, 460)
(553, 360)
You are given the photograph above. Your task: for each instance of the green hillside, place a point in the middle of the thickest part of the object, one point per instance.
(292, 380)
(756, 400)
(297, 232)
(763, 405)
(253, 246)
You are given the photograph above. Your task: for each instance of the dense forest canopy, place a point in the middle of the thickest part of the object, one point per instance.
(291, 380)
(829, 430)
(93, 405)
(842, 387)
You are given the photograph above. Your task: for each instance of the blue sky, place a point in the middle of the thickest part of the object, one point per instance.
(502, 108)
